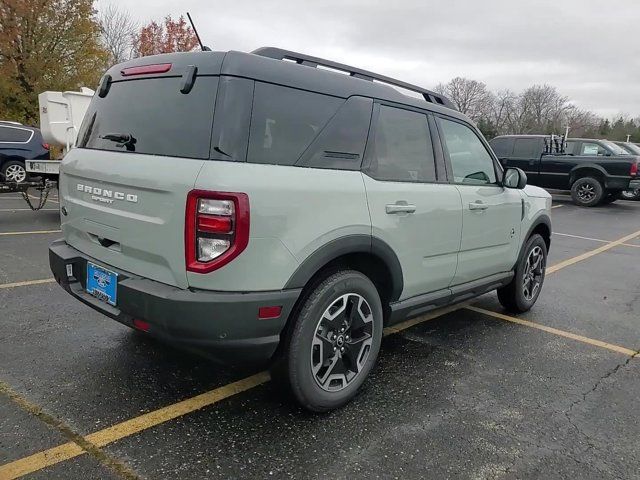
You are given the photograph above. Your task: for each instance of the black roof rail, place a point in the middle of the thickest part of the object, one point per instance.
(310, 61)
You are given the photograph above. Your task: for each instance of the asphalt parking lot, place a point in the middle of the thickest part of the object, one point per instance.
(468, 392)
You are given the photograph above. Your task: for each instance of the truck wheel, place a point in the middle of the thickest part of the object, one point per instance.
(333, 343)
(522, 292)
(587, 192)
(14, 171)
(630, 195)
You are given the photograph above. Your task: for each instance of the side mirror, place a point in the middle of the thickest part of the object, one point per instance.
(514, 178)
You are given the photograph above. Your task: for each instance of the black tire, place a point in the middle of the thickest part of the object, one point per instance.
(12, 168)
(513, 296)
(587, 192)
(633, 195)
(311, 339)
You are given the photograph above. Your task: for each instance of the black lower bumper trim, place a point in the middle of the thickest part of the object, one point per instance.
(225, 324)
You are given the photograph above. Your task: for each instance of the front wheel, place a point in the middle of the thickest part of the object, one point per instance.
(334, 341)
(523, 291)
(587, 192)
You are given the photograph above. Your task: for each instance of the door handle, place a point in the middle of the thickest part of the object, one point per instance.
(478, 206)
(399, 207)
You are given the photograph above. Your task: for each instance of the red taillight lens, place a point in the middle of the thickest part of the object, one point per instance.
(269, 313)
(45, 146)
(216, 229)
(141, 325)
(146, 69)
(634, 168)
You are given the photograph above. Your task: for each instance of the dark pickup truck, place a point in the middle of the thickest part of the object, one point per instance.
(596, 171)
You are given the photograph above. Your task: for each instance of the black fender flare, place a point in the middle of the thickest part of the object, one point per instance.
(346, 245)
(575, 171)
(542, 219)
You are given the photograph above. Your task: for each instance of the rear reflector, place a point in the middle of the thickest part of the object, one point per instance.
(141, 325)
(634, 169)
(146, 69)
(267, 313)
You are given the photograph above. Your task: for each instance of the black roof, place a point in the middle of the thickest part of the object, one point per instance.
(296, 70)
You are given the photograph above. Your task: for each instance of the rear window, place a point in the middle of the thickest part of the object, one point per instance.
(14, 135)
(285, 121)
(502, 147)
(526, 148)
(151, 116)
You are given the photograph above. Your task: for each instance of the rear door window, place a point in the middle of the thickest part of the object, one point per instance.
(502, 147)
(592, 149)
(526, 148)
(402, 147)
(151, 116)
(15, 135)
(285, 121)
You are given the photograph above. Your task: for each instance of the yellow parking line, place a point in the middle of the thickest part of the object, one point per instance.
(49, 199)
(26, 283)
(594, 239)
(555, 331)
(34, 232)
(135, 425)
(557, 206)
(591, 253)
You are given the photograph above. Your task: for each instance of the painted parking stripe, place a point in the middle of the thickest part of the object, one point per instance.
(562, 333)
(122, 430)
(592, 253)
(26, 283)
(33, 232)
(594, 239)
(28, 210)
(557, 206)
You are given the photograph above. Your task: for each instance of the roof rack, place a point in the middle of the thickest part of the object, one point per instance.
(309, 61)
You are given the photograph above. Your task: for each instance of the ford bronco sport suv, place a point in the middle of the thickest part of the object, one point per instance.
(277, 207)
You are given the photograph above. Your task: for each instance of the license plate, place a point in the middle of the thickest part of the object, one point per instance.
(44, 166)
(102, 283)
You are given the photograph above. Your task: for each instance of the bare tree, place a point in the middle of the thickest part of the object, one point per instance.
(118, 31)
(471, 97)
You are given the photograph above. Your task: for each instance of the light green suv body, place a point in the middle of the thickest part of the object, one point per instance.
(298, 191)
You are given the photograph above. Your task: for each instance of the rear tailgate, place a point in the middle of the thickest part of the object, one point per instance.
(125, 188)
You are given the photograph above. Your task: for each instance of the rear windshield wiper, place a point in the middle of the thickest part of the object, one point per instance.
(122, 139)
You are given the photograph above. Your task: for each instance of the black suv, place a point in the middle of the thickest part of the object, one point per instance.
(17, 144)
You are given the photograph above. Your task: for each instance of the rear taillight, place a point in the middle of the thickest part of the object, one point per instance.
(634, 168)
(45, 146)
(216, 229)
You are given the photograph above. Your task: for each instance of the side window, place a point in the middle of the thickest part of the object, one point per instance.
(470, 161)
(341, 143)
(285, 121)
(570, 148)
(402, 147)
(594, 149)
(12, 134)
(502, 147)
(526, 148)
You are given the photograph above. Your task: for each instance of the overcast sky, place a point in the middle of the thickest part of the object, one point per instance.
(589, 49)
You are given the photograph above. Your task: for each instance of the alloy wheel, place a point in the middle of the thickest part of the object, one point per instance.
(342, 342)
(15, 173)
(586, 192)
(533, 273)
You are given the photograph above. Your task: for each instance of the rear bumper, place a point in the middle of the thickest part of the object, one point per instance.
(224, 325)
(634, 184)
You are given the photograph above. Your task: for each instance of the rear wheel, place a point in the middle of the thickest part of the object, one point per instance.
(334, 342)
(523, 291)
(630, 195)
(14, 171)
(587, 192)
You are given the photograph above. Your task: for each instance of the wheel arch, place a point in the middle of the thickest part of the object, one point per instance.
(589, 170)
(370, 255)
(542, 226)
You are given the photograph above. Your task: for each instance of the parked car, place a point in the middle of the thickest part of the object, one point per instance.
(19, 143)
(633, 149)
(278, 212)
(596, 171)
